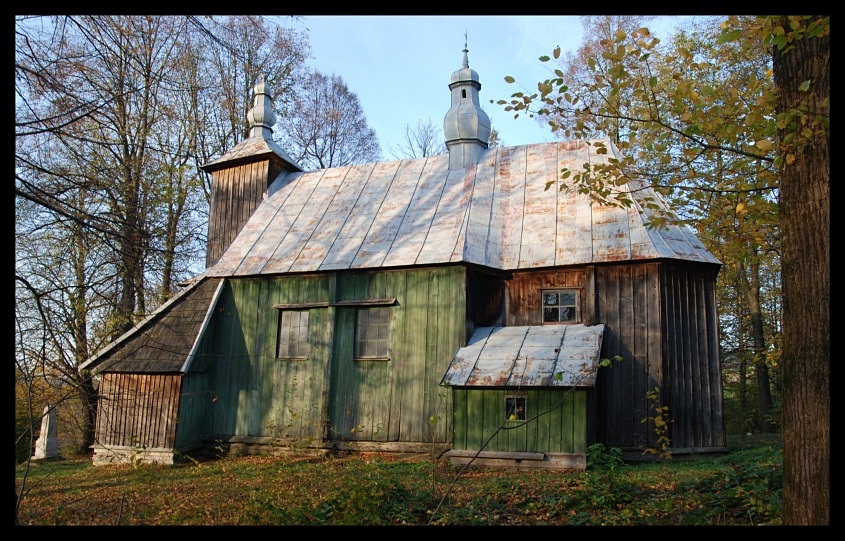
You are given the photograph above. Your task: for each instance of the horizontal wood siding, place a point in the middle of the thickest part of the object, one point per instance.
(235, 193)
(556, 421)
(398, 399)
(256, 393)
(524, 301)
(138, 410)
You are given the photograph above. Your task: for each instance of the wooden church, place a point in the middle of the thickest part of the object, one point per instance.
(448, 305)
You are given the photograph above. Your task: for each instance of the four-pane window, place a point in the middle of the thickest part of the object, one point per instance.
(560, 306)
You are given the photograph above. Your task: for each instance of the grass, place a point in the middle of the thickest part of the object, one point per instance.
(743, 487)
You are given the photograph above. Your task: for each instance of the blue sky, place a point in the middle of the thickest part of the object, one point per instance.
(400, 66)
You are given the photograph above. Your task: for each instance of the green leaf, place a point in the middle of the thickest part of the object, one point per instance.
(726, 37)
(652, 82)
(805, 85)
(544, 58)
(509, 79)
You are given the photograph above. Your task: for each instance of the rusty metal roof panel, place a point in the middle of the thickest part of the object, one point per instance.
(539, 220)
(528, 356)
(508, 208)
(342, 191)
(497, 213)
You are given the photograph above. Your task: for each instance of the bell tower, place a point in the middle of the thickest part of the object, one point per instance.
(239, 178)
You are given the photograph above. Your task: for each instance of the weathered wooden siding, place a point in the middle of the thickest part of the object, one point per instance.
(195, 401)
(524, 301)
(394, 400)
(138, 410)
(693, 388)
(661, 319)
(628, 304)
(235, 193)
(385, 401)
(253, 393)
(485, 300)
(560, 426)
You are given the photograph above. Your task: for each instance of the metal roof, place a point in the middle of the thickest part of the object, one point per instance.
(497, 213)
(531, 356)
(252, 148)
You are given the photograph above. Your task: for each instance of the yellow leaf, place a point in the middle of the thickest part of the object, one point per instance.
(790, 159)
(764, 145)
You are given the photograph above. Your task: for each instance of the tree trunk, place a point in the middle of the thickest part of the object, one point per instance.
(88, 399)
(749, 280)
(805, 225)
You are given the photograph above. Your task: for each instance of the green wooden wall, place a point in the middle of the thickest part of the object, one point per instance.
(254, 394)
(479, 415)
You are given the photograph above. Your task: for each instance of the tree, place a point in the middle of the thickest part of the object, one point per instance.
(754, 136)
(114, 117)
(659, 103)
(236, 50)
(421, 141)
(802, 75)
(327, 127)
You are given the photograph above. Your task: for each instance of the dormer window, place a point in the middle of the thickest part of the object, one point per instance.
(561, 306)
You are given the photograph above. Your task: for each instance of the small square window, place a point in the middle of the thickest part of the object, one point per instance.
(560, 306)
(293, 335)
(515, 408)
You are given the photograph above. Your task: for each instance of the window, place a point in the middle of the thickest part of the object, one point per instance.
(560, 306)
(372, 333)
(293, 334)
(515, 408)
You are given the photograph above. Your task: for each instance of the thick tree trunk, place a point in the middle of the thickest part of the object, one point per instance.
(805, 225)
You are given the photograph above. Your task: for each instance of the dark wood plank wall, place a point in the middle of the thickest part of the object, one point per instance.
(524, 302)
(485, 300)
(235, 193)
(628, 305)
(560, 425)
(138, 410)
(694, 385)
(661, 318)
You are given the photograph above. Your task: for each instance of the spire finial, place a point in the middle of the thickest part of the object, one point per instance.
(261, 117)
(465, 63)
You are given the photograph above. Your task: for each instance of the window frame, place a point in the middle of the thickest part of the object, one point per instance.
(302, 338)
(521, 415)
(378, 326)
(559, 290)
